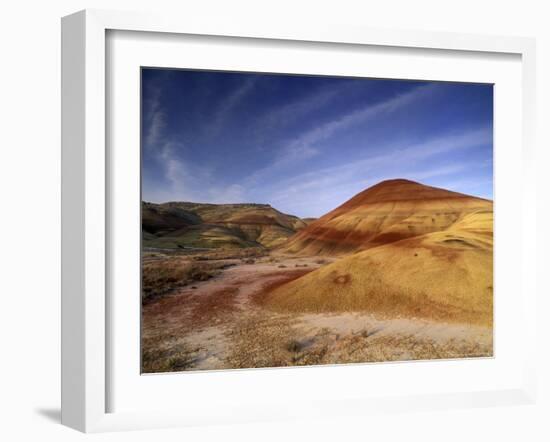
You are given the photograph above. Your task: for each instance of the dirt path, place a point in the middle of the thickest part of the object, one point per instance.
(250, 278)
(180, 318)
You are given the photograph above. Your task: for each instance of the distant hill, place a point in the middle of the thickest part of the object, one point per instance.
(198, 225)
(161, 219)
(389, 211)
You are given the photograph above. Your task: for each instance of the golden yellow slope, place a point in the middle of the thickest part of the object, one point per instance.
(446, 275)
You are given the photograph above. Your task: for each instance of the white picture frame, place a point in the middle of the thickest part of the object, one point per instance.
(85, 211)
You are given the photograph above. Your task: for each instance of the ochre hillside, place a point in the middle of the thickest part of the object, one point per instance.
(390, 211)
(419, 252)
(196, 225)
(443, 276)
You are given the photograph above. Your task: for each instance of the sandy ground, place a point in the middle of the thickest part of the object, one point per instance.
(206, 320)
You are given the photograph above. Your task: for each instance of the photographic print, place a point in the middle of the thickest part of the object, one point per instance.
(297, 220)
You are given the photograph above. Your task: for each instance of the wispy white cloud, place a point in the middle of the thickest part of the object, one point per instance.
(181, 177)
(337, 183)
(306, 105)
(234, 193)
(402, 153)
(187, 181)
(155, 129)
(318, 191)
(229, 103)
(476, 185)
(305, 145)
(309, 138)
(155, 118)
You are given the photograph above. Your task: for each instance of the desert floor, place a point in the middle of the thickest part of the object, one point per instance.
(220, 323)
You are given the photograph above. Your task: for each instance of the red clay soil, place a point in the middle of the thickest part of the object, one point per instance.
(186, 311)
(291, 275)
(206, 308)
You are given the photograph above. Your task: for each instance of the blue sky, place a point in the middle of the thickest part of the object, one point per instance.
(307, 144)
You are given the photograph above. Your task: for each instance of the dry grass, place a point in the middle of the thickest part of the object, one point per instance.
(260, 341)
(363, 347)
(250, 252)
(161, 276)
(162, 355)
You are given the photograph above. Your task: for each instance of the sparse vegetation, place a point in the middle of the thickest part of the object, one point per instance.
(259, 340)
(162, 276)
(214, 255)
(178, 357)
(357, 348)
(293, 346)
(254, 344)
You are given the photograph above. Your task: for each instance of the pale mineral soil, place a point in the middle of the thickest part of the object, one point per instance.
(218, 324)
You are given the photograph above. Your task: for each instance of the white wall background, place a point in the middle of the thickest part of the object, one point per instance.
(30, 220)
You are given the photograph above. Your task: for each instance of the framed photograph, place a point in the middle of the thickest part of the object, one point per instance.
(252, 211)
(292, 220)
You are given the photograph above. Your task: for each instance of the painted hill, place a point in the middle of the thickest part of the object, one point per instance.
(443, 276)
(187, 224)
(390, 211)
(419, 252)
